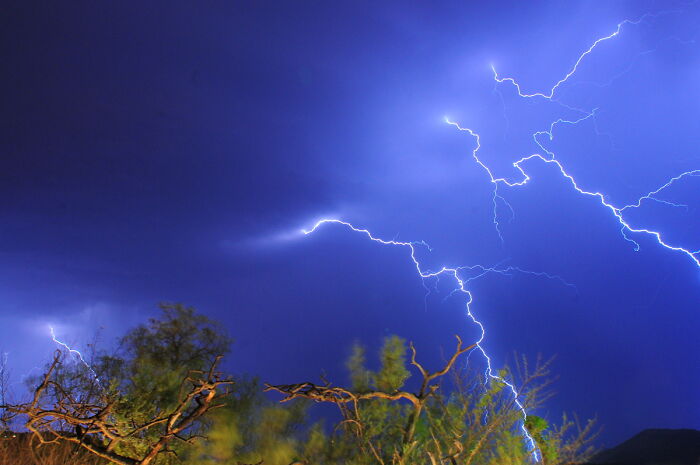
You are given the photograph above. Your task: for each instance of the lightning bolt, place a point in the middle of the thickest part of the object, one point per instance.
(453, 272)
(651, 195)
(550, 158)
(76, 354)
(549, 95)
(616, 211)
(509, 270)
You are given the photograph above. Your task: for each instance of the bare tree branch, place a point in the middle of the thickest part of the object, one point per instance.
(341, 396)
(94, 427)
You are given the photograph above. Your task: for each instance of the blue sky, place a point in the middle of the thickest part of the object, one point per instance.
(173, 152)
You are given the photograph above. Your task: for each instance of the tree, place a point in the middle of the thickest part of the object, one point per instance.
(104, 427)
(250, 429)
(376, 424)
(142, 404)
(161, 399)
(4, 387)
(454, 417)
(156, 357)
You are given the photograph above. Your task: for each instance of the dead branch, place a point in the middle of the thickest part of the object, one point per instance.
(342, 397)
(94, 427)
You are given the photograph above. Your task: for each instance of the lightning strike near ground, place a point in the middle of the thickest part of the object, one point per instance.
(461, 283)
(548, 157)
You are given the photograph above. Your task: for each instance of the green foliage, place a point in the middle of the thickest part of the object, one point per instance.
(383, 422)
(393, 372)
(536, 425)
(180, 338)
(548, 443)
(158, 355)
(145, 378)
(250, 428)
(465, 420)
(154, 360)
(360, 376)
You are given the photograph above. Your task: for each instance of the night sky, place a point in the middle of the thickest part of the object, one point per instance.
(171, 151)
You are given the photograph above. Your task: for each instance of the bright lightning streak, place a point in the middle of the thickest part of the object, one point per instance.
(506, 271)
(616, 211)
(550, 95)
(551, 159)
(495, 181)
(461, 287)
(76, 354)
(650, 195)
(550, 133)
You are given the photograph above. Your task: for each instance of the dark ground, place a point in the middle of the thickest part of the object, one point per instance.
(655, 447)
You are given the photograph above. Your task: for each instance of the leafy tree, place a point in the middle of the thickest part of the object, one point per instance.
(160, 400)
(250, 429)
(142, 404)
(457, 419)
(154, 357)
(153, 360)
